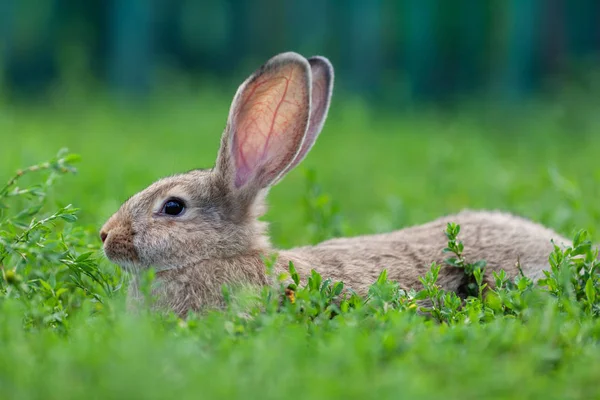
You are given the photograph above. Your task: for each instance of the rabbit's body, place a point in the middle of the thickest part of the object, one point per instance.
(201, 229)
(502, 239)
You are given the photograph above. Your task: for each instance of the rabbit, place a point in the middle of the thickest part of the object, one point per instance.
(201, 229)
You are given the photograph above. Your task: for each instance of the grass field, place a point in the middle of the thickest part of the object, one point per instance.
(65, 335)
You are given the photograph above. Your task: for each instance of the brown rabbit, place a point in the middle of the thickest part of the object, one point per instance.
(201, 229)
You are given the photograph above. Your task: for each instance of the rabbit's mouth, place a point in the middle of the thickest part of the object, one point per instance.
(120, 250)
(118, 239)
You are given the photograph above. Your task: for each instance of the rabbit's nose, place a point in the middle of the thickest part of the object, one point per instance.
(103, 236)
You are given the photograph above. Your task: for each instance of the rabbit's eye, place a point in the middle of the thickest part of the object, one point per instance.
(173, 207)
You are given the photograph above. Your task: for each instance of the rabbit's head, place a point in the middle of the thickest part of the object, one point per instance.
(274, 119)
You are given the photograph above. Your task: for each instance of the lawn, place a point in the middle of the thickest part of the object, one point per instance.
(63, 335)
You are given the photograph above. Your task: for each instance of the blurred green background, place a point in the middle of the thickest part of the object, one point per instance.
(402, 50)
(438, 105)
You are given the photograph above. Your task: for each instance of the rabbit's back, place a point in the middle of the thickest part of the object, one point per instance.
(501, 239)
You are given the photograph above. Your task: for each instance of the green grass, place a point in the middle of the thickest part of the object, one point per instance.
(69, 337)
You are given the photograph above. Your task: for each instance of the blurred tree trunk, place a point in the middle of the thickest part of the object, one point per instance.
(267, 28)
(472, 42)
(307, 26)
(238, 35)
(583, 22)
(522, 21)
(366, 40)
(6, 19)
(553, 36)
(32, 47)
(130, 55)
(358, 29)
(421, 46)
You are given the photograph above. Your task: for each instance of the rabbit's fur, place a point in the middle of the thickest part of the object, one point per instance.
(274, 120)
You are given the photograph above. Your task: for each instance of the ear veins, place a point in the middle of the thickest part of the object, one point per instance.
(285, 90)
(246, 143)
(244, 101)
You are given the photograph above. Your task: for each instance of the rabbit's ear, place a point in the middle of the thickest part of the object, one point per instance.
(322, 88)
(267, 123)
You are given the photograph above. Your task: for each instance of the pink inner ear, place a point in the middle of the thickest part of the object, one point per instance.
(269, 122)
(322, 77)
